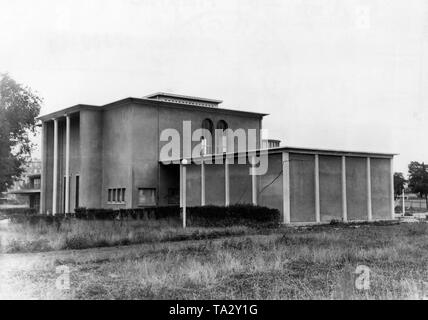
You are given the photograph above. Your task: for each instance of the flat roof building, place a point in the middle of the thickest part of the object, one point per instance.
(111, 156)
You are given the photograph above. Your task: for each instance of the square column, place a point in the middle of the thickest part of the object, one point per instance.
(43, 171)
(181, 185)
(253, 181)
(226, 182)
(317, 190)
(344, 204)
(183, 192)
(369, 192)
(286, 215)
(391, 191)
(55, 169)
(67, 165)
(203, 182)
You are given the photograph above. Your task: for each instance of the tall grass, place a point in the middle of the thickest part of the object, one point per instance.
(82, 234)
(317, 263)
(307, 265)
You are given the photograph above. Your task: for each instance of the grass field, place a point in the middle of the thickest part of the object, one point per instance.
(284, 263)
(82, 234)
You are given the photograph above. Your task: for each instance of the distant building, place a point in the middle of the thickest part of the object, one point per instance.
(28, 187)
(3, 198)
(409, 196)
(270, 143)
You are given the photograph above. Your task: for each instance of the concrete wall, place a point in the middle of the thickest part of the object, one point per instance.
(74, 158)
(174, 117)
(270, 184)
(240, 183)
(356, 188)
(214, 185)
(117, 154)
(330, 175)
(144, 148)
(131, 147)
(193, 183)
(302, 190)
(302, 186)
(148, 122)
(381, 184)
(91, 168)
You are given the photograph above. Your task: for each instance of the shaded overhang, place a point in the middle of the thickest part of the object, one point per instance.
(67, 111)
(142, 101)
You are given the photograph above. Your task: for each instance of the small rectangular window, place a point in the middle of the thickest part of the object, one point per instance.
(36, 183)
(146, 196)
(116, 195)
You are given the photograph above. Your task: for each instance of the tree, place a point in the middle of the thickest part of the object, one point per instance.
(399, 182)
(19, 107)
(418, 179)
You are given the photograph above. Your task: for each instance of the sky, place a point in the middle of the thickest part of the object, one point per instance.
(336, 74)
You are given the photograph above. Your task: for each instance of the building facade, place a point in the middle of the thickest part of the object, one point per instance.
(27, 189)
(305, 185)
(110, 157)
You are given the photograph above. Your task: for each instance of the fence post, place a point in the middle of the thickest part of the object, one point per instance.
(184, 162)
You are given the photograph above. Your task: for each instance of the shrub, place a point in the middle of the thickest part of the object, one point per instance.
(37, 218)
(201, 216)
(156, 213)
(335, 222)
(76, 242)
(95, 214)
(234, 214)
(20, 211)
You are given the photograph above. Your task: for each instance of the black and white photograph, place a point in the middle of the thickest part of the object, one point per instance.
(214, 155)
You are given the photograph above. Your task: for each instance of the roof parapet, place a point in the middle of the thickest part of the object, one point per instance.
(189, 100)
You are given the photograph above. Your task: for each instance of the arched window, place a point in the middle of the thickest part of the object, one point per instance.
(222, 125)
(207, 142)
